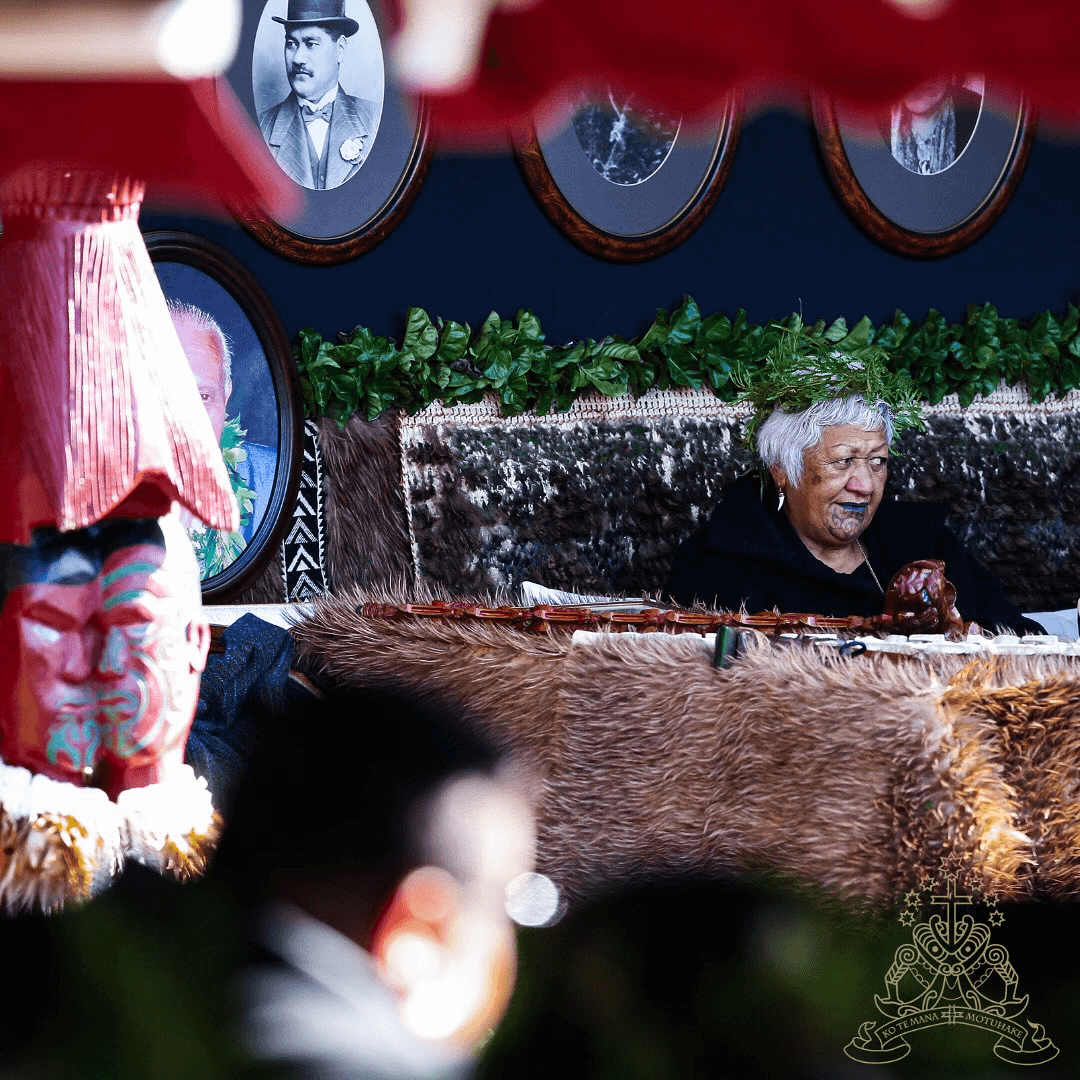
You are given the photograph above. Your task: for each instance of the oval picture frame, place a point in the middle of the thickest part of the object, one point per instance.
(629, 222)
(926, 216)
(195, 271)
(342, 221)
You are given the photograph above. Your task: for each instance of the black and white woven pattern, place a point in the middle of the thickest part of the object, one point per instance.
(303, 551)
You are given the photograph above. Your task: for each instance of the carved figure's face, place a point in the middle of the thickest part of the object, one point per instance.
(100, 669)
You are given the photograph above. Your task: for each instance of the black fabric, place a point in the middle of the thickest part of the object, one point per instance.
(749, 555)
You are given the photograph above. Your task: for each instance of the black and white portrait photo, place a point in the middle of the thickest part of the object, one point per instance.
(625, 143)
(929, 130)
(928, 175)
(318, 84)
(623, 179)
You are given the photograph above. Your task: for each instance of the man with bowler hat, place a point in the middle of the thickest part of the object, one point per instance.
(319, 135)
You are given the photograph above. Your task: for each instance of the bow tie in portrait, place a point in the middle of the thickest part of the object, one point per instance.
(318, 114)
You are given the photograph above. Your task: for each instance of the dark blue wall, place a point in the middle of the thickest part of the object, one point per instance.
(778, 239)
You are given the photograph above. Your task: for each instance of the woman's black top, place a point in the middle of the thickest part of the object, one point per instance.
(749, 555)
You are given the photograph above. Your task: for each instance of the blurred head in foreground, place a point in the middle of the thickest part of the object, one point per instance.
(397, 827)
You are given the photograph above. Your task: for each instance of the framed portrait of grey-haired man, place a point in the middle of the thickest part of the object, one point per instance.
(312, 76)
(244, 368)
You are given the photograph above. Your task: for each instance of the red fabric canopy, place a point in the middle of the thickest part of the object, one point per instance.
(189, 142)
(688, 56)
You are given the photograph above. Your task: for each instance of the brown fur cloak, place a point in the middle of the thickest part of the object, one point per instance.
(853, 774)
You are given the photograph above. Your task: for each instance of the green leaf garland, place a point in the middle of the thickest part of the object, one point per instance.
(445, 361)
(809, 365)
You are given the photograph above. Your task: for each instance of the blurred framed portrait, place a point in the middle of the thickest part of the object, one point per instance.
(930, 174)
(312, 76)
(626, 181)
(247, 379)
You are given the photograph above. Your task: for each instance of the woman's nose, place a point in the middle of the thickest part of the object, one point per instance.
(861, 481)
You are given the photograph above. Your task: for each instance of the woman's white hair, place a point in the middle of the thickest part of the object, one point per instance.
(783, 437)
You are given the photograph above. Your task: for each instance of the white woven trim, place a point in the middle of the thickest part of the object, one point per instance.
(312, 428)
(1005, 399)
(696, 404)
(594, 408)
(407, 433)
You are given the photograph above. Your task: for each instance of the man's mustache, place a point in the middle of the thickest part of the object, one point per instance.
(296, 69)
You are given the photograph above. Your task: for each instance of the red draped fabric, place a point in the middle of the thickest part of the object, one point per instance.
(189, 142)
(687, 56)
(99, 411)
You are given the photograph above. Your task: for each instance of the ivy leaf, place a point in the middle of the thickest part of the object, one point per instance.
(490, 333)
(961, 353)
(310, 340)
(860, 336)
(642, 378)
(562, 357)
(347, 390)
(607, 375)
(892, 337)
(716, 329)
(718, 375)
(657, 334)
(680, 367)
(453, 341)
(511, 401)
(421, 337)
(459, 379)
(618, 350)
(499, 365)
(545, 399)
(320, 374)
(685, 324)
(837, 332)
(528, 327)
(542, 366)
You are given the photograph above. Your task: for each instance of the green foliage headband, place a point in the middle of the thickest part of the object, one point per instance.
(808, 365)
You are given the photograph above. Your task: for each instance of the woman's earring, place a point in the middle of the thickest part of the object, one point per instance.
(780, 504)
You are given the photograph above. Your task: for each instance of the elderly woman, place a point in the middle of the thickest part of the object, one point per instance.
(814, 535)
